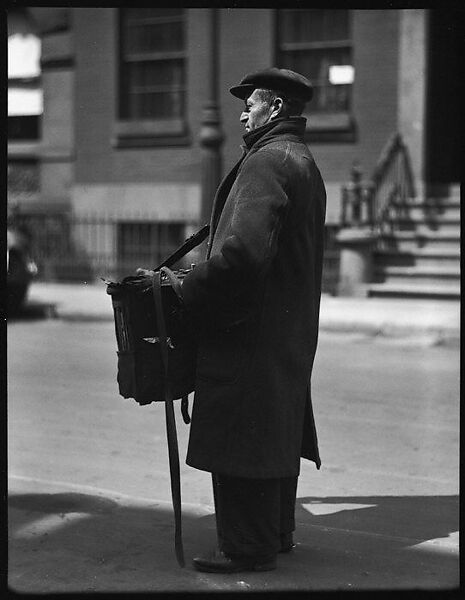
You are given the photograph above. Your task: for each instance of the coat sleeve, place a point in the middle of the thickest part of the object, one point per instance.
(224, 288)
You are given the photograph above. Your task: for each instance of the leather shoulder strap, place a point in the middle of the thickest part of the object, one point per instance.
(192, 242)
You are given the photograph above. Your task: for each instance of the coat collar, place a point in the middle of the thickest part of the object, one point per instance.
(283, 126)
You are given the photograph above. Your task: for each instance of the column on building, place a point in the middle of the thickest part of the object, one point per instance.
(57, 64)
(412, 88)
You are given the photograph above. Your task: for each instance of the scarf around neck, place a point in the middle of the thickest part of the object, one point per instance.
(290, 125)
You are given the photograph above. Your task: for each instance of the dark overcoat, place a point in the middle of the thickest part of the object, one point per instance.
(256, 301)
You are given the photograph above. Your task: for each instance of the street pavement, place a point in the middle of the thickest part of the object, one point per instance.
(80, 537)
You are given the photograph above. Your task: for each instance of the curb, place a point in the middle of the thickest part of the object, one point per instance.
(433, 335)
(387, 320)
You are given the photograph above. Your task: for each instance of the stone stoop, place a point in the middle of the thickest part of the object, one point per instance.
(420, 256)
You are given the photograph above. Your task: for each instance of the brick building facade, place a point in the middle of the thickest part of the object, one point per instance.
(105, 151)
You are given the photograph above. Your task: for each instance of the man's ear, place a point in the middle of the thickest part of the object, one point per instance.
(277, 108)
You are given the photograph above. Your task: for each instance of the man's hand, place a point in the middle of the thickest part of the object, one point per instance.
(147, 272)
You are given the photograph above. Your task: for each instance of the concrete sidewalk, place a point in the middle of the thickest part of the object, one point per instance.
(439, 320)
(67, 538)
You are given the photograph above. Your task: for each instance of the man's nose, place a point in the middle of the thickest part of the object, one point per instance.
(244, 117)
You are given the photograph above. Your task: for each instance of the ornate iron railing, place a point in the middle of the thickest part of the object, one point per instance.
(69, 247)
(380, 201)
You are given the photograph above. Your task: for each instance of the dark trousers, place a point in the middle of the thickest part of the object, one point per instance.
(253, 514)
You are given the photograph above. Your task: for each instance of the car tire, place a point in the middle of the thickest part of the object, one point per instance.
(16, 298)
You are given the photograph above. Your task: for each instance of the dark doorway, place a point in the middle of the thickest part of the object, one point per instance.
(445, 97)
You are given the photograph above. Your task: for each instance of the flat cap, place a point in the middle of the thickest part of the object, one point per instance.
(284, 80)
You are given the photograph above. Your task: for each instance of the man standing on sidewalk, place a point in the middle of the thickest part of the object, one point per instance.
(256, 301)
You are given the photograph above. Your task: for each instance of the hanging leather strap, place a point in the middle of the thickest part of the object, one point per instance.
(176, 286)
(185, 410)
(173, 452)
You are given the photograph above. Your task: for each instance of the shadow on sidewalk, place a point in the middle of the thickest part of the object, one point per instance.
(71, 542)
(412, 518)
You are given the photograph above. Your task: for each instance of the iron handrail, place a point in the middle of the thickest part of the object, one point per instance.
(376, 203)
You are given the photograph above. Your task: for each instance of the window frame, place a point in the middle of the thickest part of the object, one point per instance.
(331, 126)
(135, 133)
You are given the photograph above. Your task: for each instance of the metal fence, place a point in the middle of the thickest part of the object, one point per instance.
(83, 248)
(70, 248)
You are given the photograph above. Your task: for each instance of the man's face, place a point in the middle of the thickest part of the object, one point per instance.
(256, 112)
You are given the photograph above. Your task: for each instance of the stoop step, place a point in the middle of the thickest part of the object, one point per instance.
(419, 275)
(427, 212)
(423, 257)
(437, 291)
(422, 225)
(411, 240)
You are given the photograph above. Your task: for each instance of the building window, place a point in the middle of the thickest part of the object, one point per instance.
(143, 244)
(23, 180)
(152, 99)
(23, 127)
(318, 44)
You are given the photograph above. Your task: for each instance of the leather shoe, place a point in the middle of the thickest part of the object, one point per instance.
(287, 543)
(218, 562)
